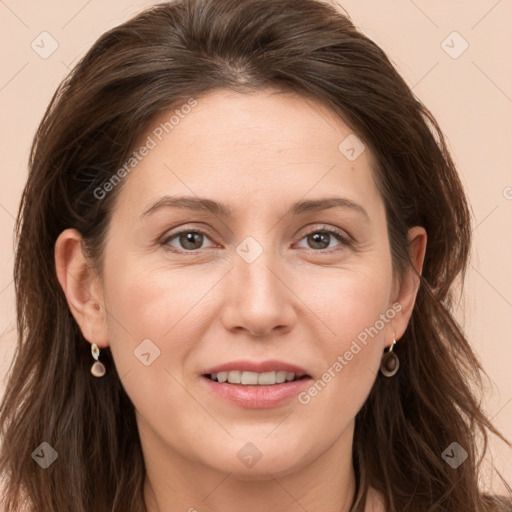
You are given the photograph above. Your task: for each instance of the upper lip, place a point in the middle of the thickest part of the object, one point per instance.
(257, 367)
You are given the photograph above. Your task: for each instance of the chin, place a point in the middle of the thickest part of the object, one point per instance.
(261, 472)
(264, 468)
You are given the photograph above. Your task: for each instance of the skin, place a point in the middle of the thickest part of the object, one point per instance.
(296, 302)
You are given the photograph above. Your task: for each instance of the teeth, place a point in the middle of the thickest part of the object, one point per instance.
(267, 378)
(249, 378)
(280, 377)
(234, 377)
(253, 378)
(222, 376)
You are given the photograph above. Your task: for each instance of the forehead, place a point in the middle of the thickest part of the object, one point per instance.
(270, 146)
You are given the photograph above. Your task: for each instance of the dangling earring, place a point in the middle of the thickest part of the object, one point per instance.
(98, 368)
(390, 362)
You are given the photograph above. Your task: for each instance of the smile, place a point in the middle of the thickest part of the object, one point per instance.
(253, 378)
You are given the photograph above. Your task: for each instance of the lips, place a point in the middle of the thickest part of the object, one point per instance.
(242, 391)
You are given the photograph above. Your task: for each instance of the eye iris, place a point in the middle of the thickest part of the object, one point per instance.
(189, 237)
(316, 238)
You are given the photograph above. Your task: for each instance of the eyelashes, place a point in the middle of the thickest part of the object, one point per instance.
(344, 239)
(332, 232)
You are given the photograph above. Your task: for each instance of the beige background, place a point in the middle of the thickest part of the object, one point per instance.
(470, 95)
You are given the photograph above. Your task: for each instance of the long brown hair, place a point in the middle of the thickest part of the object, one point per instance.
(157, 60)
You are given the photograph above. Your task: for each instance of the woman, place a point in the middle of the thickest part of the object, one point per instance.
(234, 273)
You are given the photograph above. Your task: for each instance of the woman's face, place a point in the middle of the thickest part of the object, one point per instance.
(261, 283)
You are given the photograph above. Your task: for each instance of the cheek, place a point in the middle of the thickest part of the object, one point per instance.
(150, 333)
(145, 313)
(356, 312)
(148, 302)
(350, 302)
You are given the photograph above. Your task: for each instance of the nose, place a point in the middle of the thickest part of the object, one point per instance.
(258, 298)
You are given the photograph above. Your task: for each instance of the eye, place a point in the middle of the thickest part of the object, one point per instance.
(321, 238)
(190, 240)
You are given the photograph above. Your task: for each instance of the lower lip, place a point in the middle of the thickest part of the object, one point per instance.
(258, 397)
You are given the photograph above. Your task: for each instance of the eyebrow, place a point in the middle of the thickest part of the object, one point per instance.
(208, 205)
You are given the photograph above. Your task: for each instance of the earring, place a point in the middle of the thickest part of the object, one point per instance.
(98, 368)
(390, 362)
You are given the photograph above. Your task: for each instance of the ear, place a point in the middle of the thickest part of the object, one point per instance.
(81, 288)
(406, 291)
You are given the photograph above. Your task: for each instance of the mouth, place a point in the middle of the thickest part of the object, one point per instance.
(256, 390)
(256, 384)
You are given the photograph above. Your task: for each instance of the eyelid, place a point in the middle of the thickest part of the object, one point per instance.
(330, 229)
